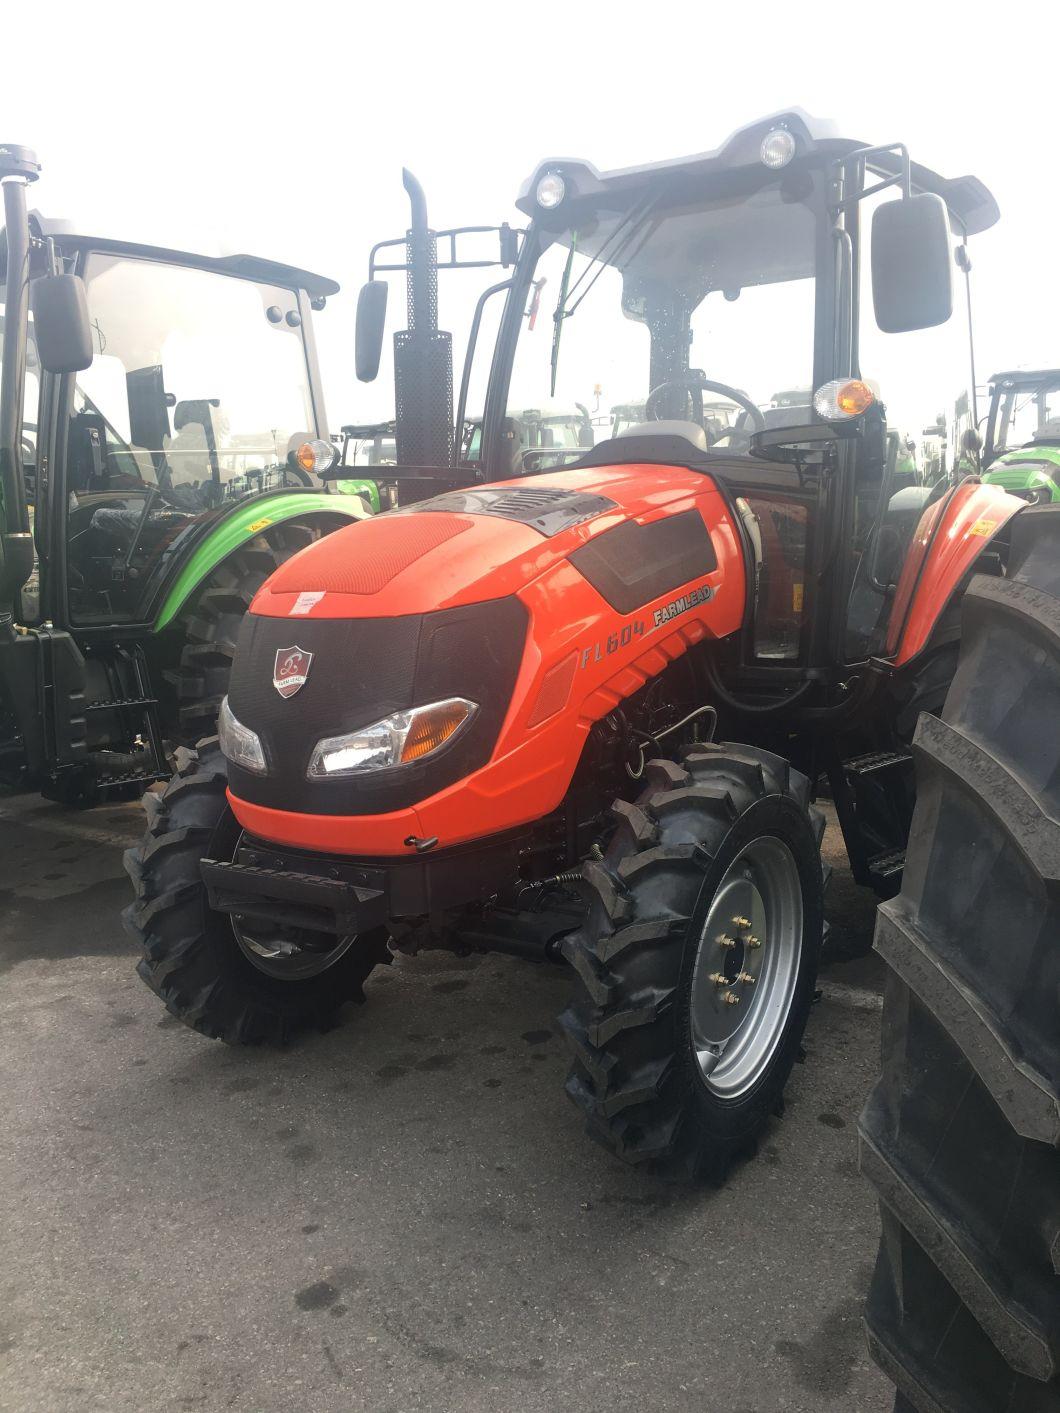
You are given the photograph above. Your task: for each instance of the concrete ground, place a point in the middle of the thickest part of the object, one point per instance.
(402, 1214)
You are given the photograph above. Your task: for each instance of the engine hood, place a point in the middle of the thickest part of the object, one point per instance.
(468, 546)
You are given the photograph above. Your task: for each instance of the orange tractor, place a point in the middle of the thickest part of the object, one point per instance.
(582, 715)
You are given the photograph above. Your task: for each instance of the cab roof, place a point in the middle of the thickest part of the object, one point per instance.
(971, 205)
(1028, 376)
(247, 267)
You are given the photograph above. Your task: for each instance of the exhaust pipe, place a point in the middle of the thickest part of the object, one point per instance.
(423, 354)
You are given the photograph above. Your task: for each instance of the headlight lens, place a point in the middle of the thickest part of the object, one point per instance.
(778, 148)
(551, 190)
(842, 398)
(396, 740)
(239, 744)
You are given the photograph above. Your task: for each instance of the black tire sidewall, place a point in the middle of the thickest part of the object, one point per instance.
(780, 817)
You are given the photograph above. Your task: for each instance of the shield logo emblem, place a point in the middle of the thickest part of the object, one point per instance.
(290, 670)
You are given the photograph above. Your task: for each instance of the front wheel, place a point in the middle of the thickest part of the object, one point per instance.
(697, 961)
(230, 978)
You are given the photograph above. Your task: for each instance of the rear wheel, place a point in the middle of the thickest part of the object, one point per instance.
(961, 1136)
(233, 979)
(210, 629)
(697, 961)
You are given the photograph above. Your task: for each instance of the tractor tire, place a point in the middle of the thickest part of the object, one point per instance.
(664, 1072)
(211, 627)
(193, 959)
(961, 1135)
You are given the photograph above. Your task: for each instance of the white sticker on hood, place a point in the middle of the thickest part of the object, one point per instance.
(304, 603)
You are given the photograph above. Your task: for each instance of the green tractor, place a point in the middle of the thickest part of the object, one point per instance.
(162, 449)
(1022, 451)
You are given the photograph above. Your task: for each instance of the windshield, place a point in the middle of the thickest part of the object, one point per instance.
(648, 299)
(1028, 414)
(197, 390)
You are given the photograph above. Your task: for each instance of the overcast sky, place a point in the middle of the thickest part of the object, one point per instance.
(226, 127)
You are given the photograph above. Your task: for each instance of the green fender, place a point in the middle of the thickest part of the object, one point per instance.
(242, 525)
(1032, 468)
(368, 489)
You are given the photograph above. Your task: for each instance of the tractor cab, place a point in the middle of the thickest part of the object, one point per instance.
(1022, 448)
(198, 395)
(163, 435)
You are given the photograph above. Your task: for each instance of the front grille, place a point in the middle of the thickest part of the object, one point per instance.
(361, 670)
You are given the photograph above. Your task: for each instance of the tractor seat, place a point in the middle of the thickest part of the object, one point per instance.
(691, 431)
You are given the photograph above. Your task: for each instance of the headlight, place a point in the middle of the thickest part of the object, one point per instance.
(778, 148)
(239, 744)
(842, 398)
(551, 190)
(396, 740)
(316, 456)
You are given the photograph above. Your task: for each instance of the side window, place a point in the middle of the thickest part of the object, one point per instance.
(778, 526)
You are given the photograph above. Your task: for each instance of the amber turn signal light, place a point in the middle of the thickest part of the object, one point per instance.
(432, 726)
(841, 398)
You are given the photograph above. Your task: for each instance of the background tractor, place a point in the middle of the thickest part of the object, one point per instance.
(162, 431)
(582, 714)
(1022, 448)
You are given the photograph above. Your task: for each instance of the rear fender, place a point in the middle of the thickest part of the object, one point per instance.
(241, 526)
(951, 536)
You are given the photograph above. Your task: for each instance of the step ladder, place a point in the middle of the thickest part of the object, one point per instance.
(874, 801)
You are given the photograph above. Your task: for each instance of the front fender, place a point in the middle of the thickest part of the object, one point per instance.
(242, 524)
(951, 536)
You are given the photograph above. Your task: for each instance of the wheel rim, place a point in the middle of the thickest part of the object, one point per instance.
(753, 930)
(287, 953)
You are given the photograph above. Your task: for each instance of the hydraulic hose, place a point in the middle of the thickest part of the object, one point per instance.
(754, 708)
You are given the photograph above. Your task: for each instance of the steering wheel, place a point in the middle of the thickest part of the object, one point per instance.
(697, 385)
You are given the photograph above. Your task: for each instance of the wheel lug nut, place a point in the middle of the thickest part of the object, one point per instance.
(724, 941)
(719, 978)
(746, 976)
(741, 922)
(730, 999)
(751, 942)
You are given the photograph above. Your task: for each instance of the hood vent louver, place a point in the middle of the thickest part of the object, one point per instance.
(547, 509)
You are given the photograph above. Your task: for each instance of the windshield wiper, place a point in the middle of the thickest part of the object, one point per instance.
(561, 311)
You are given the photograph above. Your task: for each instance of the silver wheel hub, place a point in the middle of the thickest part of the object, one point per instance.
(746, 968)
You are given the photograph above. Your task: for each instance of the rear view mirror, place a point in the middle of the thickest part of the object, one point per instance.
(60, 324)
(911, 285)
(371, 319)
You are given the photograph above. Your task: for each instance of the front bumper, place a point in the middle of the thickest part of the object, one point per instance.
(340, 895)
